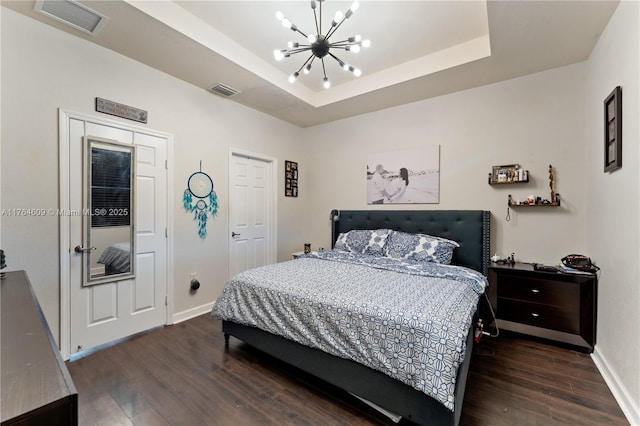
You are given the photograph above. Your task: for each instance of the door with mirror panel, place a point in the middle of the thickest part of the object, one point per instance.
(118, 260)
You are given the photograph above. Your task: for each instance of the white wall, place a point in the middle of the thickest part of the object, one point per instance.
(44, 69)
(613, 211)
(535, 121)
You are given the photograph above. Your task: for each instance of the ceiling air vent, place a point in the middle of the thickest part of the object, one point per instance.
(222, 90)
(72, 13)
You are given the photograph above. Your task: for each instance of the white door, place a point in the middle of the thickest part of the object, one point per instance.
(111, 310)
(251, 213)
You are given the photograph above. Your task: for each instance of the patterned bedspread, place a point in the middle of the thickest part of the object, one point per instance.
(408, 320)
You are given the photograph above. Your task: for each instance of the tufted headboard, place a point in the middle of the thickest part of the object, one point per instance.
(469, 228)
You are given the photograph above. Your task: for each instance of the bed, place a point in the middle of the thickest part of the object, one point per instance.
(376, 342)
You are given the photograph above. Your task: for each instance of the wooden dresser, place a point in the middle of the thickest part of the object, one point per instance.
(35, 385)
(552, 305)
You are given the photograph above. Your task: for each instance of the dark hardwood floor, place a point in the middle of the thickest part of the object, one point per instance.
(182, 375)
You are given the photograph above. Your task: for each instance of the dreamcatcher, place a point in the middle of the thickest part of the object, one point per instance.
(200, 186)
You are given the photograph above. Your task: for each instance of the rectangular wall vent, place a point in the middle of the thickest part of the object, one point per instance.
(223, 90)
(72, 13)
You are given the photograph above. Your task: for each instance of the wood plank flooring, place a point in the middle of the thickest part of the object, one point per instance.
(183, 375)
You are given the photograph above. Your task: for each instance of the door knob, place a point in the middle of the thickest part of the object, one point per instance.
(233, 234)
(80, 249)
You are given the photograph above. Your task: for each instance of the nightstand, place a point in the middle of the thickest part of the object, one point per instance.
(551, 305)
(296, 254)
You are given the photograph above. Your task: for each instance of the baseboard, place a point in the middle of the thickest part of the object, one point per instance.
(192, 313)
(620, 393)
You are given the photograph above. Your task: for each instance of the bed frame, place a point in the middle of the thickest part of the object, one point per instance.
(470, 228)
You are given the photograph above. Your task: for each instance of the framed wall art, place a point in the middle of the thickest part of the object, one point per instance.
(409, 176)
(290, 179)
(613, 130)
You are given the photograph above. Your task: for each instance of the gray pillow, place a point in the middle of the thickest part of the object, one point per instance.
(420, 247)
(363, 241)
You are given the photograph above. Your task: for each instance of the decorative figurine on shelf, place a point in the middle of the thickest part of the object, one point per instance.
(553, 192)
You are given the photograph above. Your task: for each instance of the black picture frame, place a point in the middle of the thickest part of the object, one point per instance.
(613, 130)
(290, 179)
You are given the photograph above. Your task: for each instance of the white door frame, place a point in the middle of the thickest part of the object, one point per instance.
(65, 202)
(272, 203)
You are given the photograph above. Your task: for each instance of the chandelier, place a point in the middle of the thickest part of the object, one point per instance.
(319, 44)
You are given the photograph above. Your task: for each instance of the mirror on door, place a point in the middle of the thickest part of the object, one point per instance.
(108, 231)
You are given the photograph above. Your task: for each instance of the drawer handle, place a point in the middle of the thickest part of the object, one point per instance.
(535, 315)
(535, 291)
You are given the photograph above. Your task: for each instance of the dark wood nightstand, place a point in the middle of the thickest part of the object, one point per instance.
(552, 305)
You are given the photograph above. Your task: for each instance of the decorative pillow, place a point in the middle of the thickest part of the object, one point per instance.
(367, 241)
(420, 247)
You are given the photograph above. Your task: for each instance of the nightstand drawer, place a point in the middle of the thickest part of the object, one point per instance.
(534, 290)
(539, 315)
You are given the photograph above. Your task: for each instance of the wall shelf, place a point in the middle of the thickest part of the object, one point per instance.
(508, 174)
(492, 182)
(554, 203)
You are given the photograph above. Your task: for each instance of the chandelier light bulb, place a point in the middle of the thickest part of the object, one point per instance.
(326, 83)
(279, 16)
(354, 6)
(357, 72)
(312, 38)
(355, 48)
(278, 55)
(286, 23)
(307, 69)
(337, 18)
(292, 77)
(366, 43)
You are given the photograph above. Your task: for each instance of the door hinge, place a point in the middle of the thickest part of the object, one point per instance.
(166, 233)
(166, 300)
(166, 164)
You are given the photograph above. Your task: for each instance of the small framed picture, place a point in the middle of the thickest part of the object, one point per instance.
(290, 179)
(613, 130)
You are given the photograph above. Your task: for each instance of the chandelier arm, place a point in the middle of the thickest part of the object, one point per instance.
(324, 71)
(310, 58)
(294, 51)
(320, 26)
(334, 29)
(346, 42)
(297, 30)
(315, 17)
(340, 61)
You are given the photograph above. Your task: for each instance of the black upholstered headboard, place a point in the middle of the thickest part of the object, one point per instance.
(469, 228)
